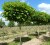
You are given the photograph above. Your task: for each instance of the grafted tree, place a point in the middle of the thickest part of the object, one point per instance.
(40, 18)
(19, 12)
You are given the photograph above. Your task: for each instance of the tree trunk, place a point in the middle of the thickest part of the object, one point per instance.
(38, 31)
(20, 40)
(20, 36)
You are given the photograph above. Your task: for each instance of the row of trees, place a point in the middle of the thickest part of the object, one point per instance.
(10, 24)
(24, 14)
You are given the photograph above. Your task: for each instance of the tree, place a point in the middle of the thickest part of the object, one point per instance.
(11, 24)
(2, 24)
(19, 12)
(40, 18)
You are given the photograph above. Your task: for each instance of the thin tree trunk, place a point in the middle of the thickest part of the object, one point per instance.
(20, 36)
(20, 40)
(38, 31)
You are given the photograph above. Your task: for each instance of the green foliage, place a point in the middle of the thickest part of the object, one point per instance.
(13, 43)
(46, 38)
(2, 24)
(24, 14)
(18, 11)
(46, 43)
(11, 24)
(40, 18)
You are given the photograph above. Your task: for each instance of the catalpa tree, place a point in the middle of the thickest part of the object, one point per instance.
(19, 12)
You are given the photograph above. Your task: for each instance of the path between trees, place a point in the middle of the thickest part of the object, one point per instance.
(34, 41)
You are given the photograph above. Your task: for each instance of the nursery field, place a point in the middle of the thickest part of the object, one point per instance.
(30, 29)
(15, 31)
(8, 34)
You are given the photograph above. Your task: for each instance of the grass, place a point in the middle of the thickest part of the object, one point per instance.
(14, 43)
(46, 43)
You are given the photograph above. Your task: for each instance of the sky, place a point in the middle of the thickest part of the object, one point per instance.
(41, 5)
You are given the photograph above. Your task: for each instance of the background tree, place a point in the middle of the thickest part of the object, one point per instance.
(2, 24)
(11, 24)
(40, 18)
(19, 12)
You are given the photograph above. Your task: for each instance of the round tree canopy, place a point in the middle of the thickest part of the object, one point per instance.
(17, 11)
(40, 17)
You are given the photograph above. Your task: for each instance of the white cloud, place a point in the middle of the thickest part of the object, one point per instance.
(16, 23)
(23, 0)
(44, 7)
(3, 19)
(0, 12)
